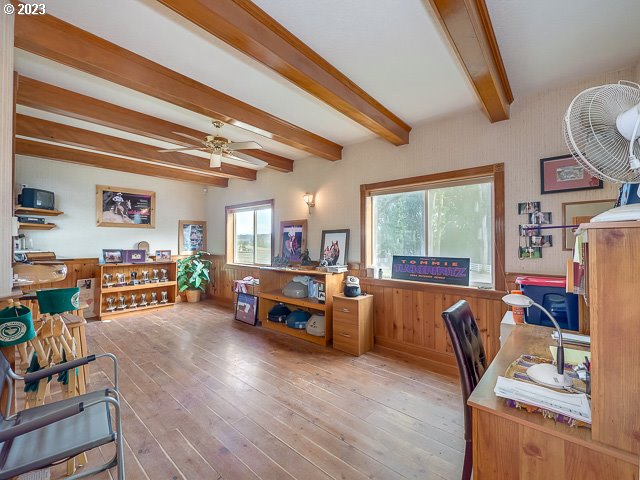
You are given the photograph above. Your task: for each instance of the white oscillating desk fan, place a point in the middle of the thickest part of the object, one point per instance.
(601, 128)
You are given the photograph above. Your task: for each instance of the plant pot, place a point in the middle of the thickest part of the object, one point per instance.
(193, 296)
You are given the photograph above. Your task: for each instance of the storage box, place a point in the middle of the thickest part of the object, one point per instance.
(551, 293)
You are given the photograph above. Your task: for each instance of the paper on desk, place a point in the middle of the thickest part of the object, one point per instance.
(571, 355)
(574, 405)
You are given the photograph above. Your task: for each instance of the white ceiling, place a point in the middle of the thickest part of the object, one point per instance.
(545, 43)
(392, 49)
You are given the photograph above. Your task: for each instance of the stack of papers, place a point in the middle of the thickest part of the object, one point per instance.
(574, 405)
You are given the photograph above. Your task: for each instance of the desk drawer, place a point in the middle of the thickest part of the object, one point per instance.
(345, 339)
(347, 318)
(345, 306)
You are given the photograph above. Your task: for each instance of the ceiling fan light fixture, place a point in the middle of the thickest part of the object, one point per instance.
(216, 159)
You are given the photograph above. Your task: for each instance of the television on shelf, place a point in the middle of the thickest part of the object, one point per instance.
(36, 198)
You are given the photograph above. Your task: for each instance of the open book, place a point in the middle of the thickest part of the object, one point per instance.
(574, 405)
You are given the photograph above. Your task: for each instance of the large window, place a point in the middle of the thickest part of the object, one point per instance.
(250, 233)
(444, 217)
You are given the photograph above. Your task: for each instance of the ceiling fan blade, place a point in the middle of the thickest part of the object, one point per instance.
(199, 140)
(194, 147)
(243, 146)
(246, 159)
(216, 160)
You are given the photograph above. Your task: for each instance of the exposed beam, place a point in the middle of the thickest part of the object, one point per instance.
(468, 28)
(246, 27)
(62, 42)
(79, 137)
(44, 96)
(33, 148)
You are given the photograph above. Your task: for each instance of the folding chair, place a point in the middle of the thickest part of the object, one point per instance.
(45, 435)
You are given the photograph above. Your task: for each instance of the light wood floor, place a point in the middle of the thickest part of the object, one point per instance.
(206, 397)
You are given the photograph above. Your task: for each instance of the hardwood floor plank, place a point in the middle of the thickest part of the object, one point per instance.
(207, 397)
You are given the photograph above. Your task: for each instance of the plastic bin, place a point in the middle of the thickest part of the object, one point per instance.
(551, 294)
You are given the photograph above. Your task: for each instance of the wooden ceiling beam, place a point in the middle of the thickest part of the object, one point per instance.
(52, 38)
(44, 96)
(467, 26)
(249, 29)
(33, 148)
(57, 132)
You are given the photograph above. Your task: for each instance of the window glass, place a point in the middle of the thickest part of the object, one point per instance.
(263, 236)
(441, 221)
(243, 238)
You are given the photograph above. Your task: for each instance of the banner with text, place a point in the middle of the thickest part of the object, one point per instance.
(446, 270)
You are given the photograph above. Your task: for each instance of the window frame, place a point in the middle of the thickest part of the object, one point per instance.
(494, 171)
(229, 246)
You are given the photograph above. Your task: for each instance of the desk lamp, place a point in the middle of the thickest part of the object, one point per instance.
(543, 373)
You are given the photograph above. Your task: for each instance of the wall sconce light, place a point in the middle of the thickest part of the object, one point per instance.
(308, 199)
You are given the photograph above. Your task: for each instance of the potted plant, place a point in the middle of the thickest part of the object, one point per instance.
(193, 275)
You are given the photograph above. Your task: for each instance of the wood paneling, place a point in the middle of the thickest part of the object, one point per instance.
(613, 302)
(468, 28)
(407, 317)
(504, 449)
(77, 268)
(57, 132)
(513, 443)
(57, 152)
(52, 38)
(246, 27)
(43, 96)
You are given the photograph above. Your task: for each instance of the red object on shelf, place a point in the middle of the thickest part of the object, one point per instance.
(559, 282)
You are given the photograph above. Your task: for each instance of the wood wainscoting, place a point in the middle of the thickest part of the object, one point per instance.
(77, 268)
(406, 315)
(223, 276)
(407, 318)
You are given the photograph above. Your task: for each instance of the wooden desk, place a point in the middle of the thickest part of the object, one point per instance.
(510, 443)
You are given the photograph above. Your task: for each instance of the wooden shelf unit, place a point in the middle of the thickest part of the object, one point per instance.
(36, 226)
(273, 280)
(171, 286)
(39, 212)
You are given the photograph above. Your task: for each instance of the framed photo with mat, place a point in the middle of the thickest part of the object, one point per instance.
(192, 237)
(293, 240)
(247, 308)
(125, 207)
(565, 174)
(574, 213)
(334, 247)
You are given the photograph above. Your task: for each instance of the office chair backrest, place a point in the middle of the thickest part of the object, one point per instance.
(6, 383)
(469, 351)
(58, 300)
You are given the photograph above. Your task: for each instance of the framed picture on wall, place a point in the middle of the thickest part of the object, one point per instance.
(334, 247)
(125, 207)
(192, 237)
(293, 239)
(565, 174)
(574, 213)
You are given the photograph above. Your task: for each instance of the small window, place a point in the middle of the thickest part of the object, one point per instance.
(445, 217)
(250, 233)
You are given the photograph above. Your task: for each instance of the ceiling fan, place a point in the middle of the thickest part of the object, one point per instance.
(217, 146)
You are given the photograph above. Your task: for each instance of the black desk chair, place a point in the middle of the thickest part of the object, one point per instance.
(472, 363)
(42, 436)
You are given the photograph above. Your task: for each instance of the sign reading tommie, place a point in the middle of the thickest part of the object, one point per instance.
(450, 271)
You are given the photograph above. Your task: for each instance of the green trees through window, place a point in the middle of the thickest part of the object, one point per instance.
(443, 221)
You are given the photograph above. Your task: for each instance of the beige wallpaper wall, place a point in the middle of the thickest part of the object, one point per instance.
(459, 141)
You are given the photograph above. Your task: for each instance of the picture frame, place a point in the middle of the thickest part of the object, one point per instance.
(334, 247)
(564, 174)
(528, 207)
(134, 256)
(125, 207)
(293, 240)
(163, 255)
(247, 308)
(192, 237)
(111, 255)
(582, 212)
(540, 218)
(529, 253)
